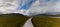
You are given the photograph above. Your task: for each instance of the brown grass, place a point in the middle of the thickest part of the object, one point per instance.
(45, 21)
(12, 20)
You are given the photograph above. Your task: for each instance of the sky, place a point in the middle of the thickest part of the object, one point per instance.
(29, 7)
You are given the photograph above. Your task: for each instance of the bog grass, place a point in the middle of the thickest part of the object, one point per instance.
(45, 21)
(12, 20)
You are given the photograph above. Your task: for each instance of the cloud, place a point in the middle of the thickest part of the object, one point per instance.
(8, 6)
(35, 8)
(50, 7)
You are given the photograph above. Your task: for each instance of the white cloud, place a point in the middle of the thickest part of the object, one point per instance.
(36, 8)
(41, 8)
(8, 6)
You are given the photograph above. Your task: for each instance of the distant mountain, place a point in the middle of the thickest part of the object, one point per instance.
(17, 14)
(56, 15)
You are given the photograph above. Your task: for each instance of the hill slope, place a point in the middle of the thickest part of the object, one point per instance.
(12, 20)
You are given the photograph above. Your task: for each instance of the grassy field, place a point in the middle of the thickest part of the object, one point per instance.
(45, 21)
(12, 20)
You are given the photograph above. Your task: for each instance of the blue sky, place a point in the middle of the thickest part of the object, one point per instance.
(34, 6)
(26, 5)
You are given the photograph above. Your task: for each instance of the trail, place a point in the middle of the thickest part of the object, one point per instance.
(28, 23)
